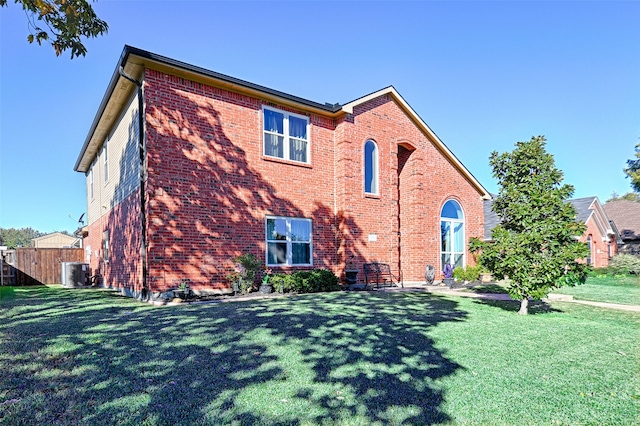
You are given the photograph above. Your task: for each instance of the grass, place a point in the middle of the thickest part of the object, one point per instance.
(89, 357)
(622, 289)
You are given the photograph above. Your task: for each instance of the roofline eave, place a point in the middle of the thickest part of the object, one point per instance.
(390, 90)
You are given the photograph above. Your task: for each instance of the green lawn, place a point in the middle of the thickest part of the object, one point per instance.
(89, 357)
(623, 289)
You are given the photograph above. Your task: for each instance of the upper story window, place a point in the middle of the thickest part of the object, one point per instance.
(105, 156)
(91, 180)
(286, 135)
(370, 167)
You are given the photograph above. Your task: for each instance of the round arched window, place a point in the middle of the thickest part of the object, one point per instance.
(452, 248)
(370, 167)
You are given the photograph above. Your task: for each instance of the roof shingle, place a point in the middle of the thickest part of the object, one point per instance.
(626, 216)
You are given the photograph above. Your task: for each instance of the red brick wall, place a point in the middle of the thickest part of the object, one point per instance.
(210, 187)
(124, 268)
(414, 185)
(599, 248)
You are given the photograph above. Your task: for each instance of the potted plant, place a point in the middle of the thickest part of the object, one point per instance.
(245, 269)
(351, 274)
(448, 275)
(183, 291)
(485, 276)
(265, 286)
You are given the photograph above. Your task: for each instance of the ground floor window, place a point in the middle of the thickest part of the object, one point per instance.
(590, 245)
(288, 241)
(452, 247)
(105, 246)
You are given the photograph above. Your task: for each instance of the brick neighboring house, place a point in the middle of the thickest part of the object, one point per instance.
(625, 215)
(601, 237)
(224, 167)
(600, 234)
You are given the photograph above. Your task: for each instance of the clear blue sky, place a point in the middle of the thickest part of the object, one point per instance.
(483, 75)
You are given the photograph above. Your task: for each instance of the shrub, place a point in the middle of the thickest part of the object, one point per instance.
(471, 273)
(602, 272)
(244, 272)
(625, 264)
(313, 281)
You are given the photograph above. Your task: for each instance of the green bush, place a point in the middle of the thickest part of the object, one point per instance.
(625, 264)
(471, 273)
(313, 281)
(458, 273)
(244, 272)
(605, 271)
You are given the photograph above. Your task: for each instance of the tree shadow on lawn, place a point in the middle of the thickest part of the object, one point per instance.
(536, 307)
(329, 358)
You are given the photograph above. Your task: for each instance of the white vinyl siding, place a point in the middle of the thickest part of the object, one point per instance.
(105, 159)
(117, 176)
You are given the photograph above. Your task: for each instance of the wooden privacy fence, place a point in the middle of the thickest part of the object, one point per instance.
(39, 265)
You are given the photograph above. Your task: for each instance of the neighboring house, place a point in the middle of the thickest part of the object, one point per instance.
(56, 240)
(625, 215)
(225, 167)
(600, 235)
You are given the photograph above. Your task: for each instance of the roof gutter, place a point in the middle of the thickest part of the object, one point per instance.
(103, 105)
(142, 176)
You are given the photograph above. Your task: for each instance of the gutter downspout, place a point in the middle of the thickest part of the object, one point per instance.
(143, 173)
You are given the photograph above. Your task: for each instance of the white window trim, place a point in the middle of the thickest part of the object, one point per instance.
(106, 249)
(374, 166)
(288, 241)
(92, 181)
(285, 129)
(454, 221)
(105, 161)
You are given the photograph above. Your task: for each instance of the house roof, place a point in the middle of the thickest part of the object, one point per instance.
(55, 235)
(133, 61)
(583, 208)
(626, 216)
(586, 208)
(491, 219)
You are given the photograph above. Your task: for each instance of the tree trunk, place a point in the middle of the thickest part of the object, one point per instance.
(524, 306)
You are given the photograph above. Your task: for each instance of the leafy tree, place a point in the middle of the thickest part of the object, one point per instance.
(13, 238)
(535, 244)
(633, 170)
(65, 23)
(630, 196)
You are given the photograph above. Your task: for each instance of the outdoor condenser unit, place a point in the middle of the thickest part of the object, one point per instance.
(74, 274)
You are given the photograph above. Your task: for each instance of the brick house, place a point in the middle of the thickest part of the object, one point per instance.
(625, 215)
(601, 236)
(224, 167)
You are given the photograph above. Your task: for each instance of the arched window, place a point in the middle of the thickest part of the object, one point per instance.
(370, 167)
(590, 245)
(452, 247)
